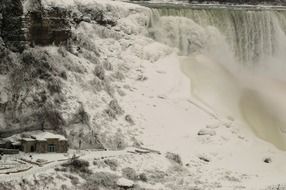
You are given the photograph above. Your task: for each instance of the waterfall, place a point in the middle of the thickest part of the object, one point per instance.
(235, 59)
(253, 35)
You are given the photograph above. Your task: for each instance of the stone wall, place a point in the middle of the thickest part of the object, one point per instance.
(48, 26)
(13, 31)
(42, 146)
(9, 151)
(1, 21)
(21, 28)
(27, 146)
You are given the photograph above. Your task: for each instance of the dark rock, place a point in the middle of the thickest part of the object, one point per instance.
(206, 132)
(267, 160)
(129, 119)
(204, 159)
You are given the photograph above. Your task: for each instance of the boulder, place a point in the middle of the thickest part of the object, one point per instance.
(125, 183)
(267, 160)
(206, 132)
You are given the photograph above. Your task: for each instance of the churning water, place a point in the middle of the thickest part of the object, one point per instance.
(235, 59)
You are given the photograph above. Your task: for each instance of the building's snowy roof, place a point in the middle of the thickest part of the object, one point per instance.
(47, 135)
(28, 139)
(13, 138)
(32, 136)
(16, 143)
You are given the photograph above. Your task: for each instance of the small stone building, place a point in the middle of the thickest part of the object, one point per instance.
(44, 142)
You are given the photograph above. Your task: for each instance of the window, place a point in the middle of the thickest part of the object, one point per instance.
(51, 148)
(32, 149)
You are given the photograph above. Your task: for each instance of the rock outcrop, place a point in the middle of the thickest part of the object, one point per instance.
(12, 30)
(47, 27)
(27, 23)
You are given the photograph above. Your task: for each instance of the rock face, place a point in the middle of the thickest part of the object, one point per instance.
(48, 26)
(24, 26)
(12, 30)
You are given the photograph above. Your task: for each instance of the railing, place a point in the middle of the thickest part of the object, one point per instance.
(9, 151)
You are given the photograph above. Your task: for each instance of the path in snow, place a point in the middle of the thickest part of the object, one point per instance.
(88, 155)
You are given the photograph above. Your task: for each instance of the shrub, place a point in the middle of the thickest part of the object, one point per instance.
(81, 116)
(78, 165)
(62, 51)
(118, 75)
(61, 169)
(8, 60)
(64, 75)
(118, 141)
(157, 175)
(121, 92)
(84, 42)
(74, 179)
(74, 67)
(108, 87)
(113, 164)
(99, 72)
(90, 56)
(174, 157)
(55, 85)
(52, 116)
(143, 177)
(110, 113)
(101, 179)
(40, 63)
(97, 84)
(129, 173)
(176, 169)
(113, 104)
(107, 65)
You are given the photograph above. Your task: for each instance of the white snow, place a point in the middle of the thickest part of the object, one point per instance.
(28, 139)
(42, 136)
(123, 182)
(35, 135)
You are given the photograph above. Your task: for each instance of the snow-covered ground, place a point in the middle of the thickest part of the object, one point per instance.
(171, 118)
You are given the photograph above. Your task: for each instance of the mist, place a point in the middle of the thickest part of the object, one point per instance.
(234, 60)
